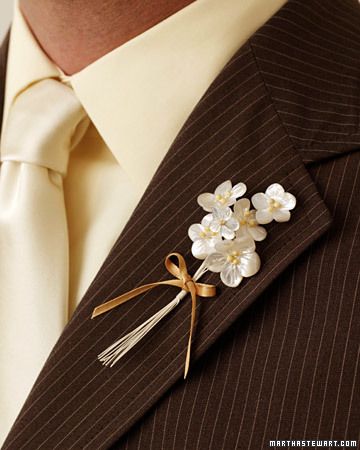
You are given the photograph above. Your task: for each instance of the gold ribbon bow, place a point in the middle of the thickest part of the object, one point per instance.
(182, 280)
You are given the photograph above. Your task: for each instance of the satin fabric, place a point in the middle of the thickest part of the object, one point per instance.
(44, 123)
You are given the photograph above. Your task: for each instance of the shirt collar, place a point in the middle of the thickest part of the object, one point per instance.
(139, 95)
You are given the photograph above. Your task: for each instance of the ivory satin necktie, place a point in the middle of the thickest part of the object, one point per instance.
(44, 123)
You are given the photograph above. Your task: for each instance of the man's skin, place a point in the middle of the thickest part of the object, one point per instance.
(74, 33)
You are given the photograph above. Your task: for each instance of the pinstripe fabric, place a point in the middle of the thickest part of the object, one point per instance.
(308, 54)
(288, 367)
(276, 358)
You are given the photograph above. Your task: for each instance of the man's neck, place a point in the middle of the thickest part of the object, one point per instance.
(75, 33)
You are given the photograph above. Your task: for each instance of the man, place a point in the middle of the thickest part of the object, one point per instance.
(275, 358)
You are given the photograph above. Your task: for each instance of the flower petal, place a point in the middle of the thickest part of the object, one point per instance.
(213, 241)
(224, 247)
(252, 215)
(231, 275)
(206, 201)
(288, 201)
(215, 226)
(260, 201)
(222, 213)
(281, 215)
(232, 224)
(257, 233)
(275, 190)
(201, 249)
(238, 190)
(249, 265)
(240, 205)
(194, 231)
(242, 232)
(206, 221)
(244, 244)
(215, 262)
(227, 233)
(226, 186)
(264, 216)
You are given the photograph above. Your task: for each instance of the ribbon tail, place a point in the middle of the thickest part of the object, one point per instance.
(111, 304)
(192, 328)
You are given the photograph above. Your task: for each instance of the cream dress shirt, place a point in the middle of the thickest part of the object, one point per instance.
(138, 96)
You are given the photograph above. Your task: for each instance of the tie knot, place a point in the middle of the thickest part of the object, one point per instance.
(44, 123)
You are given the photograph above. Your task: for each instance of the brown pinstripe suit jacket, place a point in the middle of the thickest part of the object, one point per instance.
(277, 358)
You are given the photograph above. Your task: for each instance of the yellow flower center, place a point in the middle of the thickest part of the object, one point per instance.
(207, 233)
(273, 204)
(248, 219)
(223, 198)
(233, 258)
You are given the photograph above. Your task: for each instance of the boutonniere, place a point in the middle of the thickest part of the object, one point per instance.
(225, 242)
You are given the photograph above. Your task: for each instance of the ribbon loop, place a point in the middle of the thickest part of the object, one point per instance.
(183, 280)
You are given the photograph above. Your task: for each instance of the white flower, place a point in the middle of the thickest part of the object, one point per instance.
(274, 204)
(248, 225)
(225, 195)
(222, 221)
(234, 260)
(203, 238)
